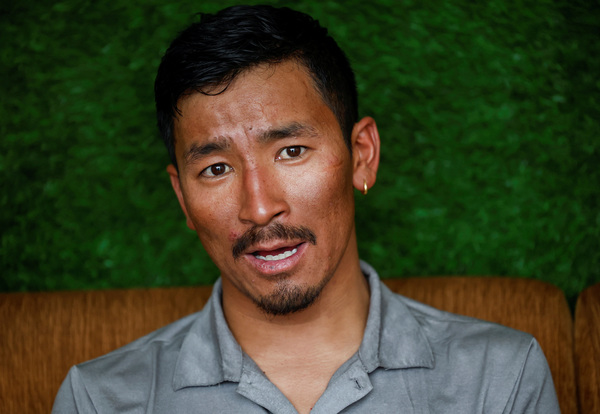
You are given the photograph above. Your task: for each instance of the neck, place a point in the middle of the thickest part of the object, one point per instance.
(301, 351)
(336, 319)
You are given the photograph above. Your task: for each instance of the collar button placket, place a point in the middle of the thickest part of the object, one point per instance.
(348, 388)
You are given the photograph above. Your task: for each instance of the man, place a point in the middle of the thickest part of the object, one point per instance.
(258, 109)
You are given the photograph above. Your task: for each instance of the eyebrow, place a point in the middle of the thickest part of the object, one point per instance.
(293, 129)
(197, 151)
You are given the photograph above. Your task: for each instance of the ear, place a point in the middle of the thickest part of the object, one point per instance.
(175, 183)
(365, 153)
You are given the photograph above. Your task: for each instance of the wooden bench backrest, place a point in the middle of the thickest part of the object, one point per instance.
(587, 349)
(43, 334)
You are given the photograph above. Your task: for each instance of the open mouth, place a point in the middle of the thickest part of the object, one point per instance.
(277, 254)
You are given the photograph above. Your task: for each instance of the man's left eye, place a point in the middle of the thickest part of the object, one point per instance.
(291, 152)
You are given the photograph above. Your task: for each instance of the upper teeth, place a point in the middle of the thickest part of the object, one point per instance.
(281, 256)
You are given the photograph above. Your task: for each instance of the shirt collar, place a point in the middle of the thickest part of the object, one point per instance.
(393, 339)
(209, 353)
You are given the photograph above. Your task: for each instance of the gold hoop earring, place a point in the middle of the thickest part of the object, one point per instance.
(365, 188)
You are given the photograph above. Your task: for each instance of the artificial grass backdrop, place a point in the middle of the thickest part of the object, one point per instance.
(488, 113)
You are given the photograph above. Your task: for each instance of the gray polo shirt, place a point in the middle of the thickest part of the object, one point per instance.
(413, 359)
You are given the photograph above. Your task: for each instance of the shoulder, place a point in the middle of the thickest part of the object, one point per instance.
(133, 367)
(140, 358)
(463, 333)
(159, 341)
(484, 362)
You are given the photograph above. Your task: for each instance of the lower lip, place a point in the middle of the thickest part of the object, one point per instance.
(273, 267)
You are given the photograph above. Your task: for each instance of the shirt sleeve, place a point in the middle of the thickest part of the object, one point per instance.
(72, 396)
(533, 391)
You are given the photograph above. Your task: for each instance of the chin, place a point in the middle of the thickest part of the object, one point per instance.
(288, 298)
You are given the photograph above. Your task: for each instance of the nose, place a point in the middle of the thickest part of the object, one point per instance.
(262, 197)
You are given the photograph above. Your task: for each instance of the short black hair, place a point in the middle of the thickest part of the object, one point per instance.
(213, 51)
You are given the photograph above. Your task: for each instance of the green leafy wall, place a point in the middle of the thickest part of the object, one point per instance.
(488, 113)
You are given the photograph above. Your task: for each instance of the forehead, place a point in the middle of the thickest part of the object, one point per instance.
(259, 99)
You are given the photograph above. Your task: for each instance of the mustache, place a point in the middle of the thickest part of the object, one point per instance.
(276, 231)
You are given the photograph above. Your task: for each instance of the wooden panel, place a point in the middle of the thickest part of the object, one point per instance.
(587, 349)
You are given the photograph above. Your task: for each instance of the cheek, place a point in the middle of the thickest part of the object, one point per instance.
(211, 212)
(326, 193)
(233, 236)
(337, 178)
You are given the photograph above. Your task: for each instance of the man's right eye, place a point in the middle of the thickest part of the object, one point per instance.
(215, 170)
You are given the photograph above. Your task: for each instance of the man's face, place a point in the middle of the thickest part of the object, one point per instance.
(266, 181)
